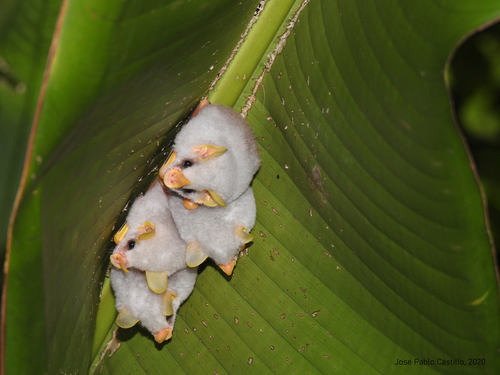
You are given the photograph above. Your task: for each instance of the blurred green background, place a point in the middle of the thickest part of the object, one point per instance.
(474, 78)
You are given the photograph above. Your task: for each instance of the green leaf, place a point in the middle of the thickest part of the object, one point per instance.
(371, 242)
(26, 30)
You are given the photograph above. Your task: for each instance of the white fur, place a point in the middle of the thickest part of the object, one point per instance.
(214, 227)
(229, 174)
(132, 292)
(166, 251)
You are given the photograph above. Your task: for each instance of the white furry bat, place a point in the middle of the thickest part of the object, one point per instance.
(156, 311)
(215, 232)
(149, 240)
(214, 159)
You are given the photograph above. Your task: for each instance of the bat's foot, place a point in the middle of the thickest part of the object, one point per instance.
(174, 179)
(242, 233)
(157, 281)
(125, 319)
(119, 261)
(228, 268)
(195, 254)
(189, 204)
(163, 335)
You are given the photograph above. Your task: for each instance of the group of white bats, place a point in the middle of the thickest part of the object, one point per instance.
(201, 205)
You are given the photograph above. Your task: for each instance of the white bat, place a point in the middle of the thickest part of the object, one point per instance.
(136, 302)
(215, 232)
(149, 240)
(214, 159)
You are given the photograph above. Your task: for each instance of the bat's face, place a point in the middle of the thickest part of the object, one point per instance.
(214, 157)
(149, 240)
(139, 239)
(197, 173)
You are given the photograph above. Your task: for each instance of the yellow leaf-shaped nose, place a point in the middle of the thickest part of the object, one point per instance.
(174, 179)
(118, 261)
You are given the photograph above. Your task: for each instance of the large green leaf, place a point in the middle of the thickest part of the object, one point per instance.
(26, 30)
(371, 243)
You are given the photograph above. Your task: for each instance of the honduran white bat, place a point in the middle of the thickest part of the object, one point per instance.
(215, 232)
(136, 302)
(214, 159)
(149, 240)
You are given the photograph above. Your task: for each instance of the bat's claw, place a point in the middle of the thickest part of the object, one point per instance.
(195, 254)
(242, 233)
(118, 261)
(167, 164)
(189, 204)
(174, 179)
(125, 319)
(157, 281)
(168, 308)
(228, 268)
(163, 335)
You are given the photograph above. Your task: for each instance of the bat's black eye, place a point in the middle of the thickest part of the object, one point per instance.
(187, 163)
(188, 191)
(131, 244)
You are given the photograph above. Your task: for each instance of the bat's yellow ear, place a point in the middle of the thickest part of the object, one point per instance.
(202, 105)
(121, 233)
(174, 179)
(146, 231)
(167, 164)
(207, 152)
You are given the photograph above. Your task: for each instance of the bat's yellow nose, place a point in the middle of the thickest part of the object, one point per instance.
(174, 179)
(118, 261)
